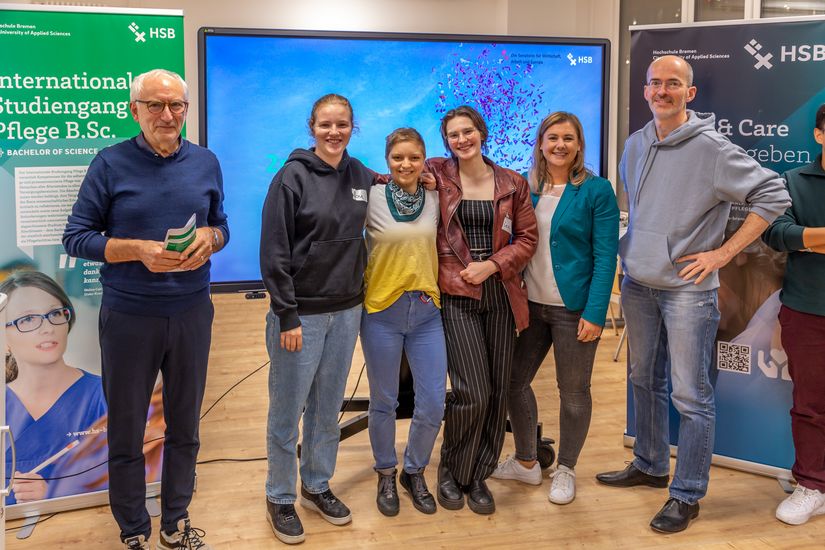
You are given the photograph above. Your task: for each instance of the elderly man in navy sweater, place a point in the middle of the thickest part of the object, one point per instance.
(156, 313)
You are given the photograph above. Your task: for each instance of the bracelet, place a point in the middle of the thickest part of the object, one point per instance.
(216, 243)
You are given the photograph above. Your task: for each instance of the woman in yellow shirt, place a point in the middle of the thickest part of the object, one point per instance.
(402, 312)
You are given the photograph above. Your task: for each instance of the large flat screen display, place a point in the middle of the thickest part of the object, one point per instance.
(257, 88)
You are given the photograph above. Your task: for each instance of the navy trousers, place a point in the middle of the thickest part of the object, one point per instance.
(133, 349)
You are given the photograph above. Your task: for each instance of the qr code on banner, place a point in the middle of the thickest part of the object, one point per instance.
(733, 357)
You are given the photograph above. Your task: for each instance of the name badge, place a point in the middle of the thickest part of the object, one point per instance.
(507, 225)
(359, 195)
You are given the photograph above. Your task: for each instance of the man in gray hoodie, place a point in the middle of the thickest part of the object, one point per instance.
(681, 177)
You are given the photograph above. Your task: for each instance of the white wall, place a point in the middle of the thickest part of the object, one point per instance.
(454, 16)
(555, 18)
(581, 18)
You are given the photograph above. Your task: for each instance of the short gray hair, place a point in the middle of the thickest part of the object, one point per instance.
(136, 89)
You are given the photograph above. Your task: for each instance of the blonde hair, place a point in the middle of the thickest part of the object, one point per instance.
(537, 177)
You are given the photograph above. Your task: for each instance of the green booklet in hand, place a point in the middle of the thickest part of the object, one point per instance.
(179, 239)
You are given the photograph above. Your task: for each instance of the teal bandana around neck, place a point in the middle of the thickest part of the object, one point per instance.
(404, 207)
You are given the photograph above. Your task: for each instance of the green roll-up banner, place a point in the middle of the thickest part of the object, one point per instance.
(64, 95)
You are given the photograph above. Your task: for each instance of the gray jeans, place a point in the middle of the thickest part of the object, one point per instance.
(557, 327)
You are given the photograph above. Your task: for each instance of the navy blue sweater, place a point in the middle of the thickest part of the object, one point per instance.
(130, 193)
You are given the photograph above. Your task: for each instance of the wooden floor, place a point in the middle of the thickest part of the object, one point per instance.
(230, 504)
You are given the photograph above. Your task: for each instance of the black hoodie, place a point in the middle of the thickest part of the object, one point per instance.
(313, 254)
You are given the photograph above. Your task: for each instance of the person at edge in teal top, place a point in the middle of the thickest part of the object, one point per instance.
(800, 232)
(569, 281)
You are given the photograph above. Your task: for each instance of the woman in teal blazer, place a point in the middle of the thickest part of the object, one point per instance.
(569, 280)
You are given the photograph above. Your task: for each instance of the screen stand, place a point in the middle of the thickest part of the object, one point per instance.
(27, 528)
(360, 422)
(153, 507)
(785, 484)
(406, 404)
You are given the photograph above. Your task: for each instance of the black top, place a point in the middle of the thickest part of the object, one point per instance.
(476, 218)
(313, 254)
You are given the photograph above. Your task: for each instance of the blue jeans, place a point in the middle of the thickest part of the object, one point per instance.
(675, 330)
(312, 382)
(412, 323)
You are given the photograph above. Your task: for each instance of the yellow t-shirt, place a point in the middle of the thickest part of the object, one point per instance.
(402, 255)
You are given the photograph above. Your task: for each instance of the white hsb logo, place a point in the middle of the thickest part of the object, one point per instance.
(160, 32)
(753, 48)
(793, 53)
(583, 59)
(803, 52)
(154, 32)
(139, 36)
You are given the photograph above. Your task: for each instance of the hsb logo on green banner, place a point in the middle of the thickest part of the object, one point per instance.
(69, 74)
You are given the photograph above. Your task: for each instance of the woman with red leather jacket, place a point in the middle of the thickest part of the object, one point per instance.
(486, 236)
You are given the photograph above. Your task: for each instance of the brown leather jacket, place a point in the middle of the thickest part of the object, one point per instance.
(511, 250)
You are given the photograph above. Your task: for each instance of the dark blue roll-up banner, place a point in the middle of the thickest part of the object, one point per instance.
(764, 80)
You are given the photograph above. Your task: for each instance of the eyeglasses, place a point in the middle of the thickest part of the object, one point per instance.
(669, 85)
(157, 107)
(34, 321)
(466, 132)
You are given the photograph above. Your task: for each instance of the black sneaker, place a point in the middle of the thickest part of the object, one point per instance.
(387, 499)
(326, 504)
(285, 522)
(416, 486)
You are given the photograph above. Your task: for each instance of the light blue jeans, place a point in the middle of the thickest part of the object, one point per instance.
(412, 324)
(675, 331)
(312, 382)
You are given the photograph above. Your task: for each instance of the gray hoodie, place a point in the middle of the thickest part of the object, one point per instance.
(680, 190)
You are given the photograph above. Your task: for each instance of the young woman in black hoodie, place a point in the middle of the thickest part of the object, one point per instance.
(312, 262)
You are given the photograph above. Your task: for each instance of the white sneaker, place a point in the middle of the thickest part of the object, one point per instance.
(512, 469)
(800, 506)
(563, 489)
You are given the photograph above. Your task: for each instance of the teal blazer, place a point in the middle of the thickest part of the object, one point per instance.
(584, 241)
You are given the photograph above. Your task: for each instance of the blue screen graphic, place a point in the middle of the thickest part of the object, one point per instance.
(260, 89)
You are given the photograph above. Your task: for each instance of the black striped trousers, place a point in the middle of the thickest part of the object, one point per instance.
(480, 338)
